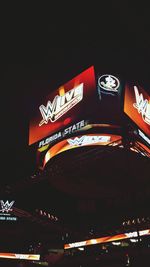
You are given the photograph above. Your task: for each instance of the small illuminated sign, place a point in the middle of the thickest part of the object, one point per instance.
(88, 140)
(109, 83)
(6, 208)
(34, 257)
(67, 131)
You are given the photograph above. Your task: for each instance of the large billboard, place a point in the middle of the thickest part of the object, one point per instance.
(70, 103)
(137, 107)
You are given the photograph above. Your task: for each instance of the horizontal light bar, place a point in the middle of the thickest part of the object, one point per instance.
(34, 257)
(107, 239)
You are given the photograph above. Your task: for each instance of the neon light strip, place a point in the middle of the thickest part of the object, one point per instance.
(106, 239)
(35, 257)
(79, 141)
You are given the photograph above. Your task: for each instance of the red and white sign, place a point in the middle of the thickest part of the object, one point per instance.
(64, 106)
(137, 107)
(34, 257)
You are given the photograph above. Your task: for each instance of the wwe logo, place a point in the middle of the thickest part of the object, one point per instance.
(61, 104)
(6, 207)
(88, 140)
(142, 105)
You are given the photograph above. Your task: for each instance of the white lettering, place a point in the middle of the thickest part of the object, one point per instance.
(131, 234)
(77, 244)
(87, 140)
(61, 104)
(144, 136)
(6, 207)
(49, 139)
(68, 130)
(142, 105)
(74, 127)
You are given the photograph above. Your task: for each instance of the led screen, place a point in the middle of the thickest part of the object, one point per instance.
(71, 102)
(79, 141)
(20, 256)
(137, 107)
(107, 239)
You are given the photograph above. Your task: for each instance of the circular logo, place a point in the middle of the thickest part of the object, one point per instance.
(109, 83)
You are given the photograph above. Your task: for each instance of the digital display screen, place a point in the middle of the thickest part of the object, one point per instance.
(79, 141)
(34, 257)
(137, 107)
(107, 239)
(71, 102)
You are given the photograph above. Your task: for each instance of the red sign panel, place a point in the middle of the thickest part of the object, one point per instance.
(137, 107)
(64, 106)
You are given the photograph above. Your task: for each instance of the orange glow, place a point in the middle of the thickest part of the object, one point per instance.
(67, 121)
(65, 145)
(107, 239)
(20, 256)
(136, 115)
(61, 90)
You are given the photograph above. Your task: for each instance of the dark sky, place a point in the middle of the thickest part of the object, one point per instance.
(42, 49)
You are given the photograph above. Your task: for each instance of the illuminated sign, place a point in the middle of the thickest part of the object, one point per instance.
(109, 83)
(69, 130)
(88, 140)
(142, 105)
(6, 207)
(109, 89)
(144, 136)
(48, 215)
(78, 141)
(61, 105)
(107, 239)
(20, 256)
(137, 107)
(70, 103)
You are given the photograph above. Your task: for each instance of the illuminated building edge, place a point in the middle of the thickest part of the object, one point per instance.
(80, 141)
(107, 239)
(34, 257)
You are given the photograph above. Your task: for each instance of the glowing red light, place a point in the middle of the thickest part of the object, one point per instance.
(67, 121)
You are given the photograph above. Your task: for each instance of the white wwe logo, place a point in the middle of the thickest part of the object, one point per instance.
(61, 104)
(6, 207)
(87, 140)
(142, 105)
